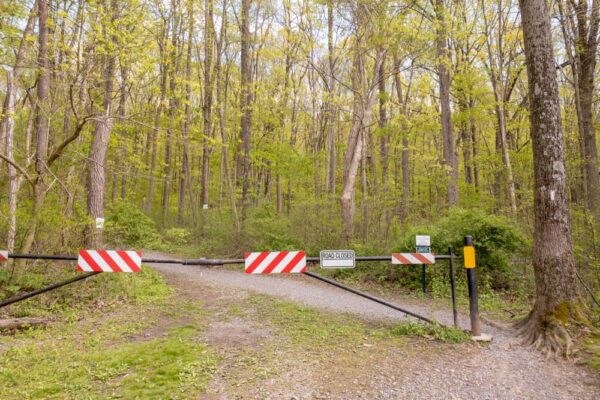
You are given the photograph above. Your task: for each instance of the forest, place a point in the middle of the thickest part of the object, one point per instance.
(215, 127)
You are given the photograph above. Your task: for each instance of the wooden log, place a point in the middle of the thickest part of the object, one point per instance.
(20, 323)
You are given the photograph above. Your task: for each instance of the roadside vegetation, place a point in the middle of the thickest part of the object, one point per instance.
(126, 337)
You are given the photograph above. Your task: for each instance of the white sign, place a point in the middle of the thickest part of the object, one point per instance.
(423, 240)
(205, 206)
(99, 223)
(337, 259)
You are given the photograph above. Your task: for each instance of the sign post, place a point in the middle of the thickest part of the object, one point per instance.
(423, 245)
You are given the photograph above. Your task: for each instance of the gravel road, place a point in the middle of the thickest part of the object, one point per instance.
(502, 370)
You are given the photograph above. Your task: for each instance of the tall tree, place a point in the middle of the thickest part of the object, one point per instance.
(583, 23)
(557, 301)
(41, 123)
(103, 127)
(209, 37)
(243, 156)
(450, 162)
(331, 107)
(500, 76)
(364, 97)
(7, 125)
(185, 179)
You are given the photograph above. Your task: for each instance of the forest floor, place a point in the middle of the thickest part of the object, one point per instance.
(292, 337)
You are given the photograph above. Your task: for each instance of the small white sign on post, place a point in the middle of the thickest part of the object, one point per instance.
(423, 240)
(337, 259)
(99, 223)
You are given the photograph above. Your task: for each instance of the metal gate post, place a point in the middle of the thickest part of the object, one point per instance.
(453, 286)
(469, 260)
(424, 278)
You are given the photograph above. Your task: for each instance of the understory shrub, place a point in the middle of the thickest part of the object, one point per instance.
(127, 225)
(500, 247)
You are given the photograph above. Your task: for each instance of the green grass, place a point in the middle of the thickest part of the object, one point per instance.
(592, 346)
(145, 347)
(304, 324)
(100, 292)
(437, 332)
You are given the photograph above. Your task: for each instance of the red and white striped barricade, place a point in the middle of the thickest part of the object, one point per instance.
(275, 262)
(3, 255)
(413, 258)
(109, 261)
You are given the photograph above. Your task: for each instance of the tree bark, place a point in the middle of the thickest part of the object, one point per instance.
(557, 299)
(173, 63)
(331, 106)
(446, 113)
(384, 143)
(151, 142)
(97, 156)
(364, 100)
(7, 125)
(185, 180)
(41, 123)
(245, 106)
(208, 97)
(585, 51)
(498, 80)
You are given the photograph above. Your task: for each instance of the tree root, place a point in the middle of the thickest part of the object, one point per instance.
(546, 335)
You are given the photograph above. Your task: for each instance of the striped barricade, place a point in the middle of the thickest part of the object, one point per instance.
(109, 261)
(3, 255)
(275, 262)
(413, 258)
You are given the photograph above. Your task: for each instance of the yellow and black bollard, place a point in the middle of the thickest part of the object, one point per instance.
(470, 264)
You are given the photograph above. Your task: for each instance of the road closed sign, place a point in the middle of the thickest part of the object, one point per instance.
(337, 259)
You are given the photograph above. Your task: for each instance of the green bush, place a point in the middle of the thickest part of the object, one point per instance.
(127, 225)
(499, 244)
(177, 236)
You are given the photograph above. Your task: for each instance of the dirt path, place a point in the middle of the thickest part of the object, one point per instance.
(501, 370)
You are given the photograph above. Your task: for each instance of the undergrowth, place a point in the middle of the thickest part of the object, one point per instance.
(119, 351)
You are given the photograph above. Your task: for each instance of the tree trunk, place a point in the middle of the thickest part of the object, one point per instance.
(185, 180)
(222, 103)
(403, 204)
(446, 113)
(586, 48)
(331, 106)
(245, 106)
(97, 156)
(557, 300)
(151, 145)
(496, 69)
(384, 143)
(208, 96)
(13, 180)
(173, 63)
(7, 125)
(121, 113)
(364, 100)
(41, 122)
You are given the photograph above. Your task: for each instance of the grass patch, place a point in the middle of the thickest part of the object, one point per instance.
(146, 347)
(304, 324)
(592, 346)
(103, 292)
(437, 332)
